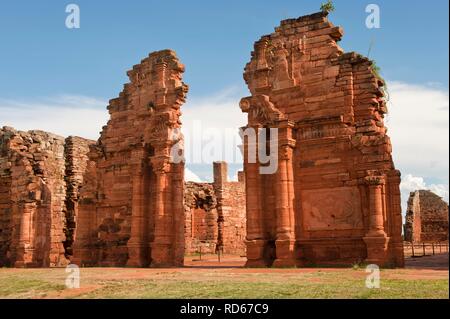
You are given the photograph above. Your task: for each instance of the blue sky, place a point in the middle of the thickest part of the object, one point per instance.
(40, 57)
(60, 80)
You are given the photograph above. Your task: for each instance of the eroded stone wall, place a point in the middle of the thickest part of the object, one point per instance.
(32, 210)
(40, 174)
(131, 208)
(335, 196)
(201, 227)
(426, 218)
(231, 209)
(76, 150)
(215, 214)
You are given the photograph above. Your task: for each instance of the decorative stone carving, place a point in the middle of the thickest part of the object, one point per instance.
(322, 198)
(261, 110)
(332, 209)
(282, 77)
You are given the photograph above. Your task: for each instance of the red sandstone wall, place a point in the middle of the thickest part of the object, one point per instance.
(426, 218)
(201, 228)
(5, 198)
(215, 215)
(234, 217)
(231, 207)
(335, 196)
(75, 152)
(131, 203)
(32, 210)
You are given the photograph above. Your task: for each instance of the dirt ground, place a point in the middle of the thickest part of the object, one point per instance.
(424, 277)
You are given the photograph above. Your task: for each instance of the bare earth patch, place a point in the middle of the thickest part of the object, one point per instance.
(424, 278)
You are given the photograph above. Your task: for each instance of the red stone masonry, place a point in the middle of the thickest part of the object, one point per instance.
(335, 197)
(231, 209)
(426, 218)
(32, 193)
(76, 150)
(215, 215)
(201, 219)
(131, 208)
(40, 174)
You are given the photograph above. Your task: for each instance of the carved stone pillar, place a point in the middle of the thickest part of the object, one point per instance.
(285, 235)
(160, 247)
(376, 238)
(177, 209)
(396, 241)
(24, 250)
(282, 196)
(137, 244)
(255, 240)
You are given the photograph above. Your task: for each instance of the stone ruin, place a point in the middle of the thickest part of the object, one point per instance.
(40, 174)
(426, 218)
(215, 215)
(131, 208)
(122, 201)
(335, 197)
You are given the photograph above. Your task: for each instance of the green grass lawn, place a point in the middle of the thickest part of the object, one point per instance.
(185, 289)
(213, 283)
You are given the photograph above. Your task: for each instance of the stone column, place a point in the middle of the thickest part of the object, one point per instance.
(396, 241)
(160, 247)
(24, 251)
(285, 235)
(376, 238)
(178, 217)
(137, 244)
(282, 197)
(255, 239)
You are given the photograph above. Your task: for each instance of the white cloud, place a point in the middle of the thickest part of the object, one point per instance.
(412, 183)
(418, 123)
(211, 127)
(190, 176)
(64, 115)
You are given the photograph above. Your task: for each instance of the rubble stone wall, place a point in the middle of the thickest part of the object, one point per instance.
(215, 215)
(32, 169)
(201, 228)
(76, 150)
(231, 208)
(426, 218)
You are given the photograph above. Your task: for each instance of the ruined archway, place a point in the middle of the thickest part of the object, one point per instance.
(131, 204)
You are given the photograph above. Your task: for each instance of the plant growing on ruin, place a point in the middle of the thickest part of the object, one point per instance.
(377, 72)
(327, 7)
(269, 48)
